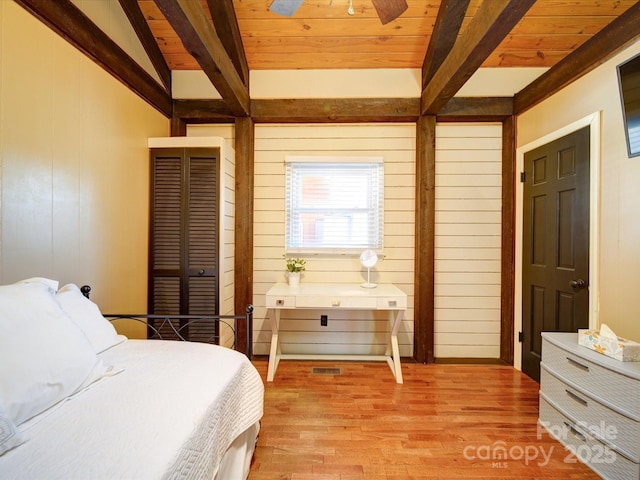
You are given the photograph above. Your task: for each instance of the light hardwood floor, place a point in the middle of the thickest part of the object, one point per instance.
(445, 422)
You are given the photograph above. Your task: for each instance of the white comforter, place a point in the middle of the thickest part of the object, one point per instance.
(171, 413)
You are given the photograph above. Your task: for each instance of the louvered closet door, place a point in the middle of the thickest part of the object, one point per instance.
(202, 240)
(165, 237)
(183, 274)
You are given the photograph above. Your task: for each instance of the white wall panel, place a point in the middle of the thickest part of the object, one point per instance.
(227, 262)
(467, 241)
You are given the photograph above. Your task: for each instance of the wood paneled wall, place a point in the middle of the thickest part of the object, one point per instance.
(347, 332)
(227, 237)
(467, 240)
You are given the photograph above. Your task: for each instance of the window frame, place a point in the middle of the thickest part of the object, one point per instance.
(377, 167)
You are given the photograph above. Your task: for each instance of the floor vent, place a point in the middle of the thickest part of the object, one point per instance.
(326, 371)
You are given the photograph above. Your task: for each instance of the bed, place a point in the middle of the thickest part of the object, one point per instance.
(79, 401)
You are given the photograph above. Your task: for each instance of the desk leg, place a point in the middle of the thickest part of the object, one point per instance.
(395, 319)
(274, 353)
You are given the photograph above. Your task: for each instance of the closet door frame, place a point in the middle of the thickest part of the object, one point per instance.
(185, 156)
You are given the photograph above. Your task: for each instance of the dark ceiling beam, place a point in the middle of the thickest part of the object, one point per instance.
(476, 109)
(341, 110)
(610, 40)
(69, 22)
(200, 39)
(443, 37)
(136, 18)
(202, 111)
(345, 110)
(489, 26)
(332, 110)
(225, 23)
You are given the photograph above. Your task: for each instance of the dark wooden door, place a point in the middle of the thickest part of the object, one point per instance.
(555, 255)
(184, 235)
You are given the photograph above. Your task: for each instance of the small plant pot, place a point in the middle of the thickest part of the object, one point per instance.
(293, 278)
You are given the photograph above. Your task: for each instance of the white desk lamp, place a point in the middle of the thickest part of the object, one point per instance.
(368, 259)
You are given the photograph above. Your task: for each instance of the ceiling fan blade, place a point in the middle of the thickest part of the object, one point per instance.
(389, 10)
(285, 8)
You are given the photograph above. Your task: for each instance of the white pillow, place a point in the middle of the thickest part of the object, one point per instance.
(44, 356)
(86, 315)
(52, 284)
(10, 436)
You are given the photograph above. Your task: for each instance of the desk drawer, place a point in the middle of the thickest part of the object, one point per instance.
(280, 301)
(314, 301)
(619, 390)
(610, 426)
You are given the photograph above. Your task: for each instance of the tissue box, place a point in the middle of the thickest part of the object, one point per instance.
(620, 349)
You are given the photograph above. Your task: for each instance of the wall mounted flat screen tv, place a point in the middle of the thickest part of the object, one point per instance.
(629, 81)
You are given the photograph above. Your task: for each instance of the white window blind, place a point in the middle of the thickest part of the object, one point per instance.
(334, 204)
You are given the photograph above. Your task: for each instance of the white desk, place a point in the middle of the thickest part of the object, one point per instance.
(326, 296)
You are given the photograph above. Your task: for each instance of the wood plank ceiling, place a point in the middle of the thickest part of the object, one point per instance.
(322, 35)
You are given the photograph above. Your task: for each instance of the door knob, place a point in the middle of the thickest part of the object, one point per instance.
(578, 284)
(201, 272)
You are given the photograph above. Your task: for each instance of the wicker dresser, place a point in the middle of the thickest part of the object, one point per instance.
(591, 404)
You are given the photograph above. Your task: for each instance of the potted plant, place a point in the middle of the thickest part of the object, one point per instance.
(294, 267)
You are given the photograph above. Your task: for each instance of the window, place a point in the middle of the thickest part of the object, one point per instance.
(334, 204)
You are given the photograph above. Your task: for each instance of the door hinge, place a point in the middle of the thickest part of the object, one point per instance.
(523, 177)
(520, 337)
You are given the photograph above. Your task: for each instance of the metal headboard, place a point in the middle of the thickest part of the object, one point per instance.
(176, 327)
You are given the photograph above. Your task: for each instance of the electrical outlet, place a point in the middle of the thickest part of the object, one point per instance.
(324, 319)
